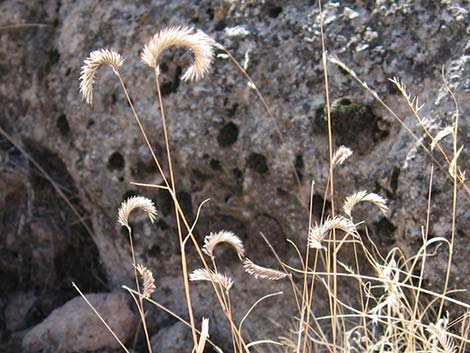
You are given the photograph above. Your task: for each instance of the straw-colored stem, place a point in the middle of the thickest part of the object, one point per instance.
(140, 304)
(180, 216)
(333, 261)
(180, 233)
(136, 278)
(305, 293)
(141, 127)
(134, 264)
(454, 196)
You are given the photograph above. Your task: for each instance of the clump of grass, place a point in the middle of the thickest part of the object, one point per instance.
(394, 312)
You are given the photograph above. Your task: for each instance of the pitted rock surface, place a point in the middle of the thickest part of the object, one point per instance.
(224, 145)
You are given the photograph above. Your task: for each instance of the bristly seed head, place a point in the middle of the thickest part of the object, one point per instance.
(147, 279)
(341, 155)
(224, 236)
(199, 42)
(202, 274)
(318, 232)
(133, 203)
(91, 66)
(262, 272)
(364, 196)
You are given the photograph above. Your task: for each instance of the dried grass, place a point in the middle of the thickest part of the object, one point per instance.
(202, 274)
(133, 203)
(364, 196)
(341, 155)
(396, 312)
(319, 232)
(92, 64)
(262, 272)
(199, 43)
(147, 279)
(223, 236)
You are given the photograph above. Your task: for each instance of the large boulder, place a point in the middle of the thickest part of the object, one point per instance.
(224, 145)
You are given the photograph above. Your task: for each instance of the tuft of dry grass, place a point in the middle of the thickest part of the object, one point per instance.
(133, 203)
(319, 232)
(364, 196)
(202, 274)
(341, 154)
(147, 279)
(262, 272)
(92, 64)
(199, 43)
(223, 236)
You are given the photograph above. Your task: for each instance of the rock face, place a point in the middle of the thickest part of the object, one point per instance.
(74, 327)
(224, 145)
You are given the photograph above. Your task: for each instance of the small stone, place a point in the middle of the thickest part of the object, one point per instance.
(74, 327)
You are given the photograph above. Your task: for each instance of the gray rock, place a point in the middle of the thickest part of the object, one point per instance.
(173, 339)
(75, 327)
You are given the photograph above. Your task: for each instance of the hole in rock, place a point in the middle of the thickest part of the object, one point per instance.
(116, 162)
(228, 135)
(257, 162)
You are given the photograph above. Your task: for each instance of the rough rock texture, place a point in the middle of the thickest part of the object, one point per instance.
(172, 339)
(224, 146)
(74, 327)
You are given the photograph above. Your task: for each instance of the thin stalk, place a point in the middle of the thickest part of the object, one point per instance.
(136, 278)
(333, 261)
(180, 234)
(141, 127)
(423, 263)
(180, 216)
(454, 195)
(140, 307)
(305, 293)
(309, 306)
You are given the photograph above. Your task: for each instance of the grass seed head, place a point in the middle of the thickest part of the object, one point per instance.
(136, 202)
(341, 155)
(319, 231)
(224, 236)
(202, 274)
(199, 43)
(363, 196)
(91, 65)
(147, 279)
(262, 272)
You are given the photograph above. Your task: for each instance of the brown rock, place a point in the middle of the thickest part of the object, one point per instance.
(74, 327)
